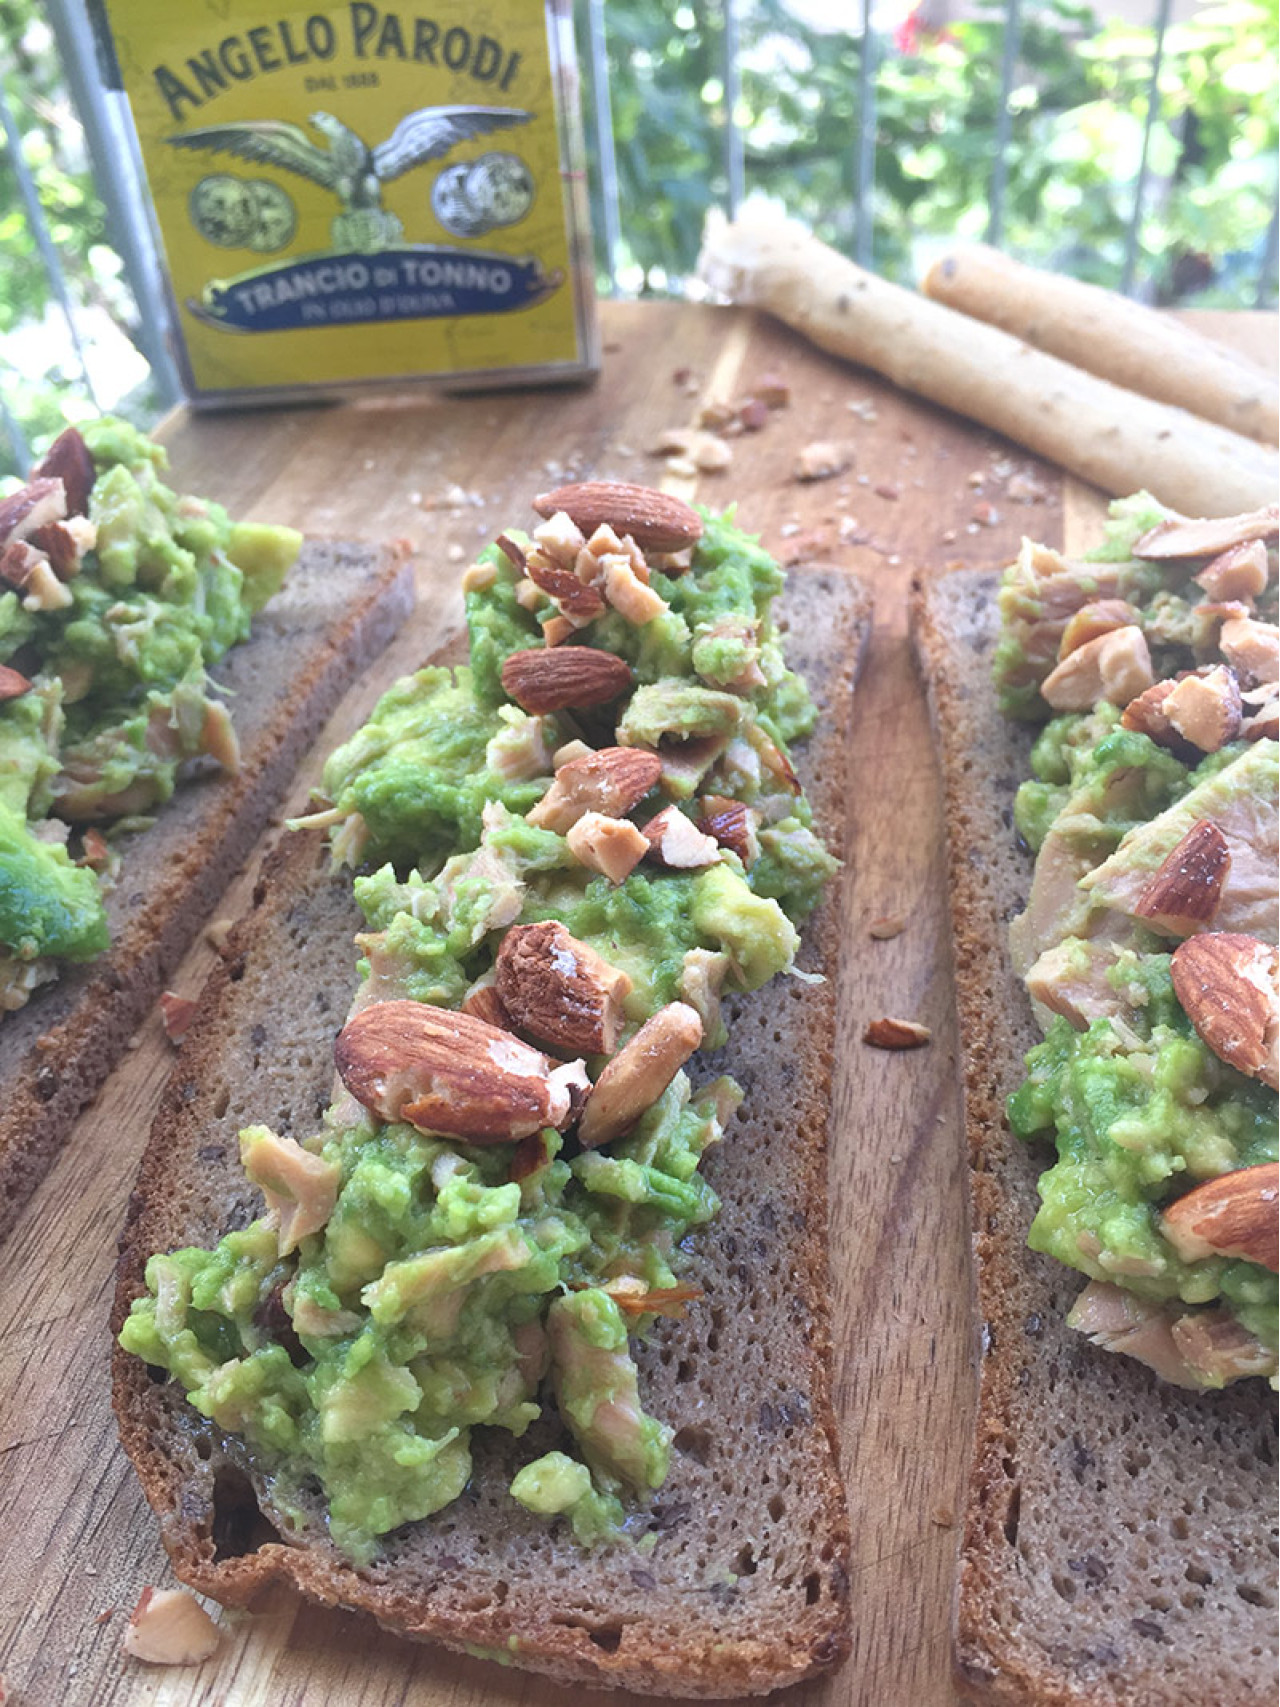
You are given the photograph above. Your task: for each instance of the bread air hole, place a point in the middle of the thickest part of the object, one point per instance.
(238, 1527)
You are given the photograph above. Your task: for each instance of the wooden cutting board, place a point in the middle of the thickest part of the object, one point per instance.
(926, 492)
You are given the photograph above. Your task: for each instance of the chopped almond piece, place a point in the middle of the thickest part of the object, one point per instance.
(1180, 536)
(1099, 616)
(478, 577)
(732, 824)
(1252, 649)
(1205, 709)
(822, 460)
(1114, 667)
(639, 1073)
(569, 752)
(169, 1627)
(628, 594)
(882, 930)
(13, 684)
(897, 1034)
(557, 629)
(612, 780)
(1264, 723)
(673, 840)
(701, 980)
(611, 846)
(176, 1014)
(561, 539)
(1238, 573)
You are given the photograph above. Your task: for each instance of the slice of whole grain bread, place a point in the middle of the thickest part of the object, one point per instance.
(746, 1585)
(1120, 1544)
(340, 606)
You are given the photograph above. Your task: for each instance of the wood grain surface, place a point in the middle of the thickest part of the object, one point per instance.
(926, 492)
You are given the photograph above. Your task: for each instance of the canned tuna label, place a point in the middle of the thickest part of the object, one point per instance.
(358, 192)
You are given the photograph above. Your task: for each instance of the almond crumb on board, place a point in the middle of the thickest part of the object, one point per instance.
(176, 1015)
(169, 1627)
(822, 460)
(897, 1034)
(217, 932)
(893, 924)
(943, 1516)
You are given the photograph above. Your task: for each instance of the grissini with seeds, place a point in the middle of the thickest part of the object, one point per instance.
(685, 1532)
(1110, 335)
(1117, 1545)
(114, 708)
(1106, 435)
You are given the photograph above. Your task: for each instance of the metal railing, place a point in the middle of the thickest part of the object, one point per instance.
(117, 172)
(866, 142)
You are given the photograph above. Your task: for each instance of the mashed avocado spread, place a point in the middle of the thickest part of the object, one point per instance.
(407, 1287)
(1143, 1105)
(116, 595)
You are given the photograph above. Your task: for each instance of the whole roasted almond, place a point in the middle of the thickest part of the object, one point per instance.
(611, 781)
(1237, 573)
(13, 684)
(657, 521)
(1099, 616)
(674, 841)
(732, 823)
(1235, 1215)
(1185, 891)
(560, 990)
(1182, 537)
(897, 1034)
(639, 1073)
(67, 459)
(31, 507)
(1227, 984)
(542, 680)
(448, 1072)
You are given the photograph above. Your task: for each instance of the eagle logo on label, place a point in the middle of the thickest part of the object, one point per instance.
(355, 173)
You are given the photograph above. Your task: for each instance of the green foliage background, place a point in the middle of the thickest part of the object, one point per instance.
(1078, 108)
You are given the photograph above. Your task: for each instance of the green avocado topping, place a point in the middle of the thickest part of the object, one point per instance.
(446, 1286)
(116, 650)
(1140, 1106)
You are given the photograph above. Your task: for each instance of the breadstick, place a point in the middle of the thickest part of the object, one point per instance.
(1113, 438)
(1117, 339)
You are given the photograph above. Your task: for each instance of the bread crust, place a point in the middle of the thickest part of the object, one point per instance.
(746, 1587)
(340, 606)
(1118, 1536)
